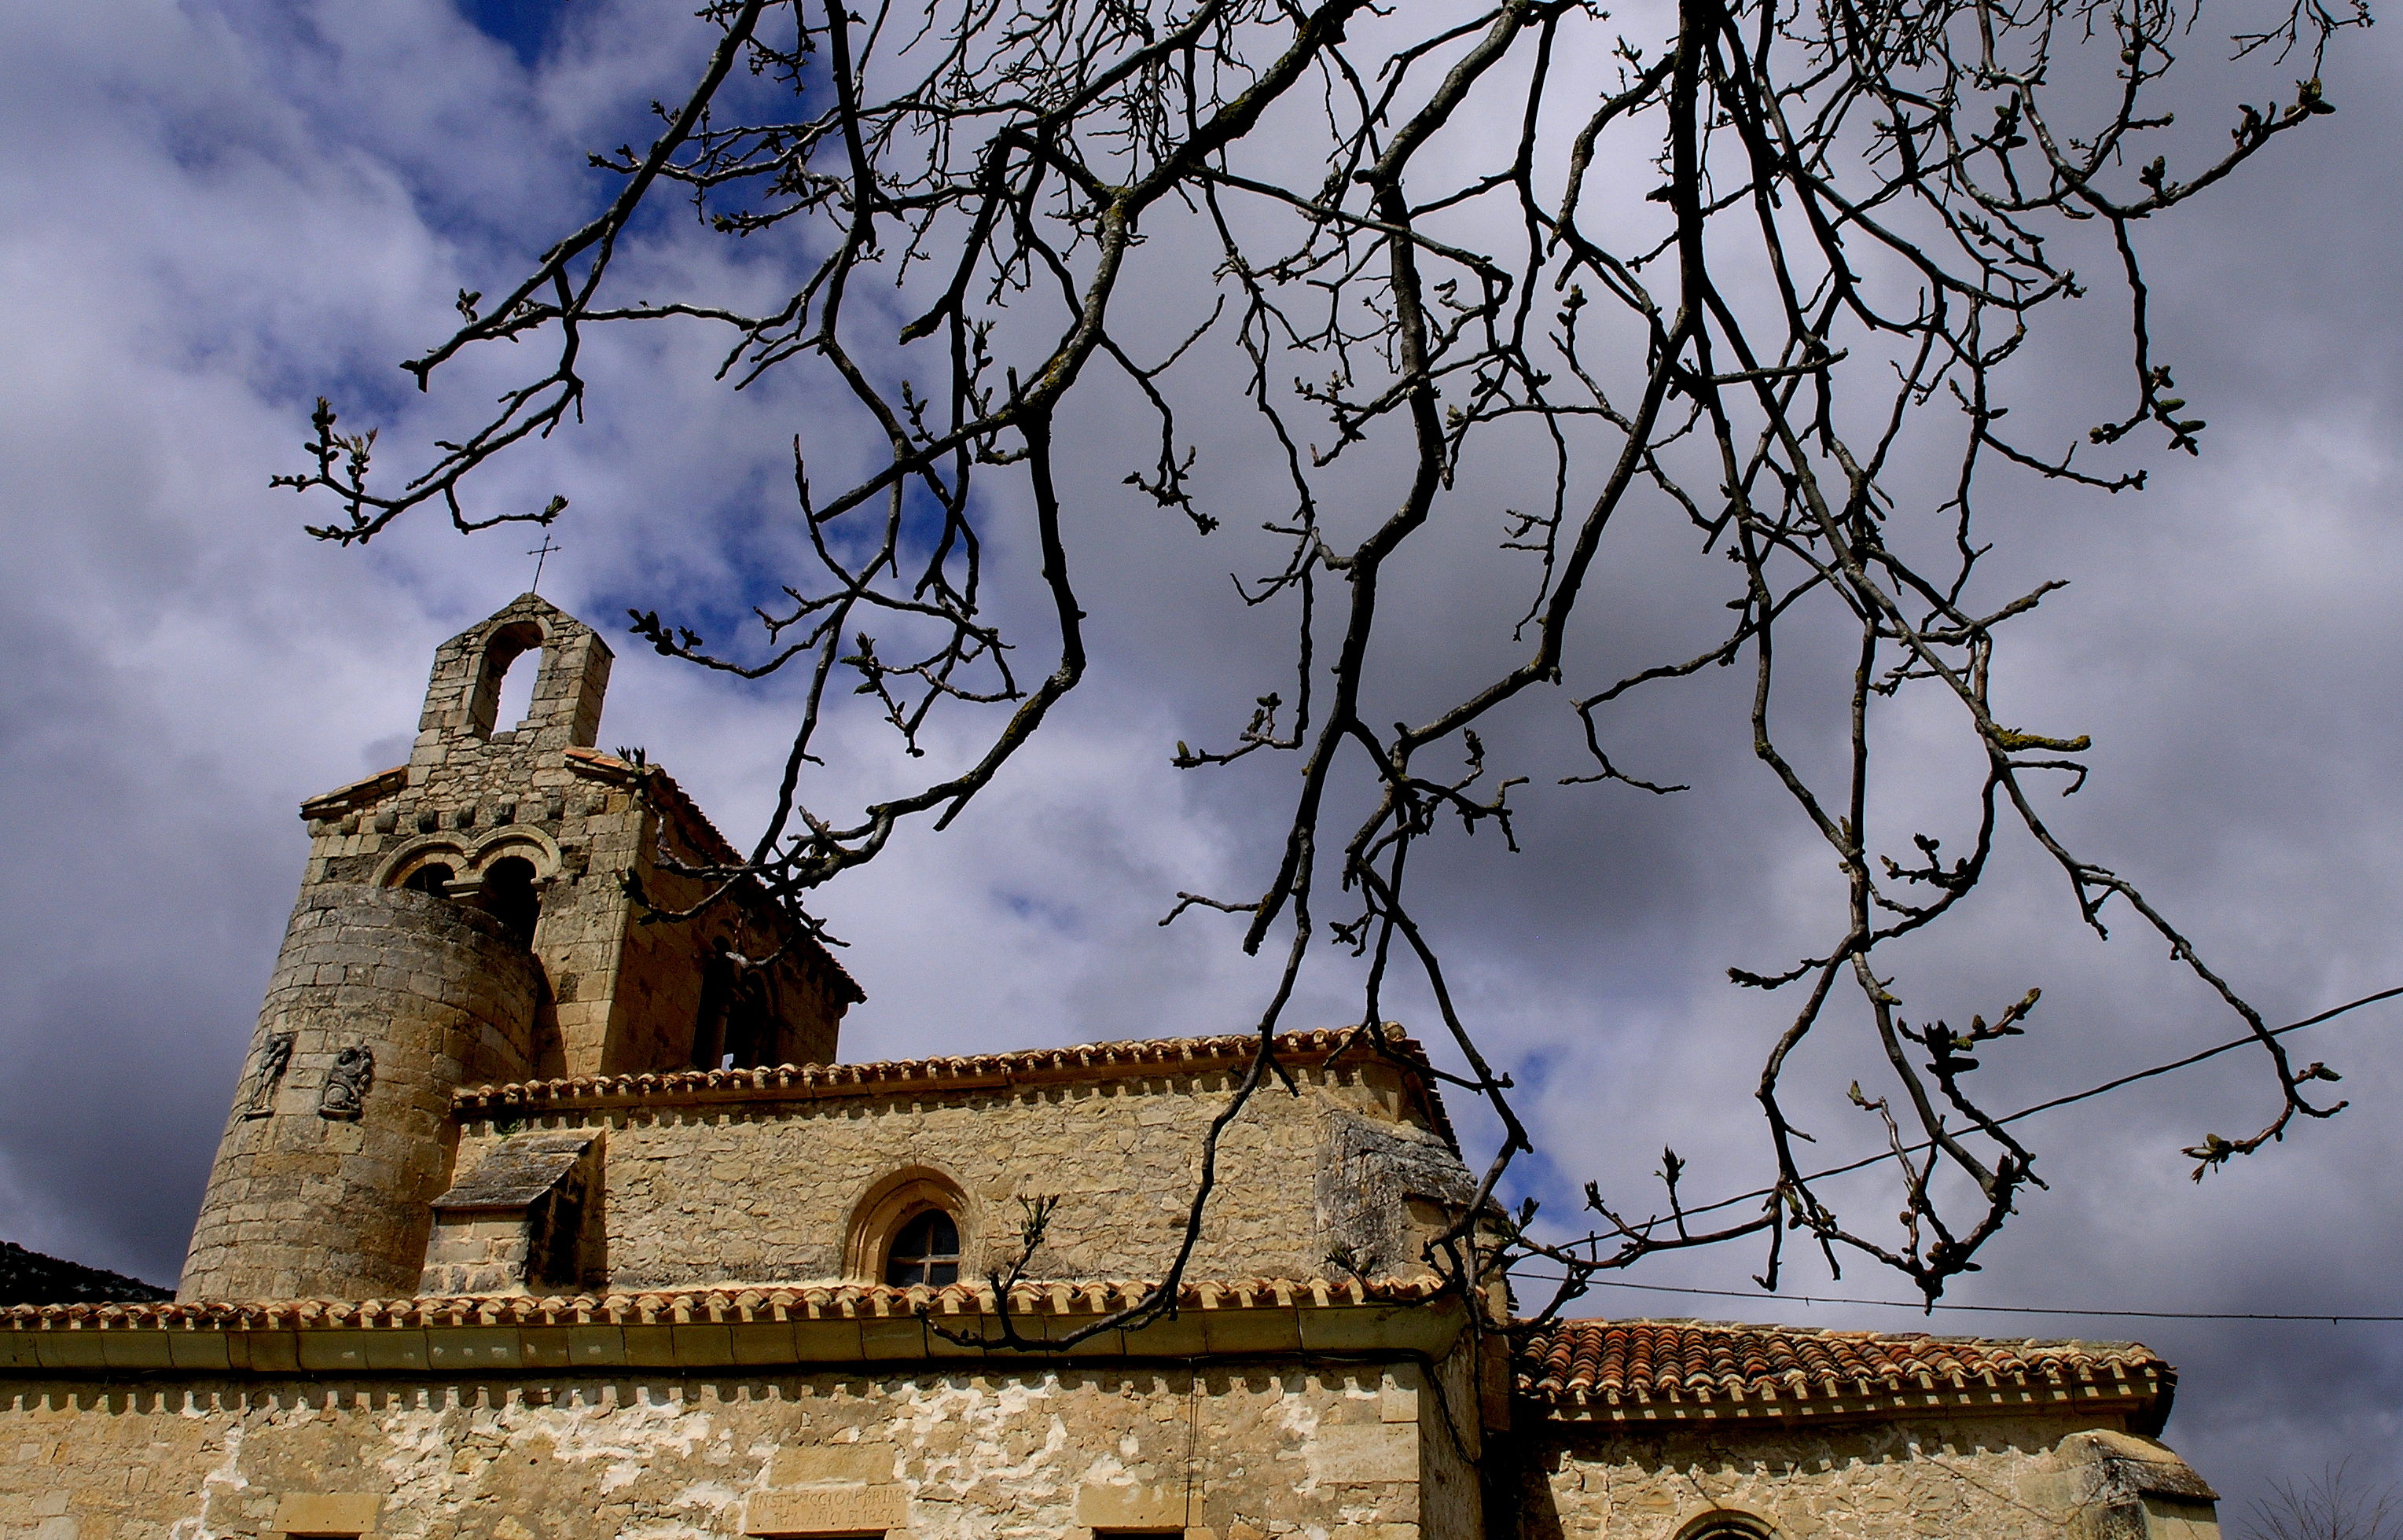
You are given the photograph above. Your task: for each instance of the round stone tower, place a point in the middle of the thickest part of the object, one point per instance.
(383, 1002)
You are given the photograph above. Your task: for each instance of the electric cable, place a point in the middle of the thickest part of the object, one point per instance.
(2331, 1317)
(2248, 1040)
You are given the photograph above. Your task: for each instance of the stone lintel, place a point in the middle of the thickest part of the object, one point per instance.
(1133, 1506)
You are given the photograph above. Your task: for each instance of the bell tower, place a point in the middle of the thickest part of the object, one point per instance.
(468, 919)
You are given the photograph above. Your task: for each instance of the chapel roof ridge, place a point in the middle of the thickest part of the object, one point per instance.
(1900, 1335)
(719, 1303)
(1614, 1370)
(1104, 1060)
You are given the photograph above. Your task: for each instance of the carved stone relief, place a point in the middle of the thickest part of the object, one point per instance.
(346, 1085)
(273, 1060)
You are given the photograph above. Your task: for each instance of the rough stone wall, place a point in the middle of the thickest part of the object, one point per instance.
(1246, 1453)
(769, 1192)
(327, 1167)
(1995, 1478)
(660, 992)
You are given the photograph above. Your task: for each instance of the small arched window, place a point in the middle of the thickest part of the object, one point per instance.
(925, 1250)
(1727, 1526)
(434, 878)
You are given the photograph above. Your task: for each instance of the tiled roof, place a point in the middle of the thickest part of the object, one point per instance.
(762, 1302)
(1082, 1061)
(1679, 1370)
(782, 1327)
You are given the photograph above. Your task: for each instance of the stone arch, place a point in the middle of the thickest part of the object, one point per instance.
(410, 864)
(463, 694)
(1726, 1522)
(537, 848)
(506, 875)
(503, 874)
(522, 841)
(502, 649)
(888, 1206)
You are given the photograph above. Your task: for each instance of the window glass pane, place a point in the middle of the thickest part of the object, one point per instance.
(926, 1250)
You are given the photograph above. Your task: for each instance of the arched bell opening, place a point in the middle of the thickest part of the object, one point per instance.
(435, 877)
(737, 1024)
(498, 676)
(507, 895)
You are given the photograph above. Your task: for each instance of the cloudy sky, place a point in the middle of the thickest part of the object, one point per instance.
(217, 210)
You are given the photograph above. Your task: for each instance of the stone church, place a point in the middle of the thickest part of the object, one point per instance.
(533, 1221)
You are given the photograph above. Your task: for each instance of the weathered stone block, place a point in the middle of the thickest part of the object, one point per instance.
(1132, 1508)
(1363, 1453)
(327, 1513)
(858, 1463)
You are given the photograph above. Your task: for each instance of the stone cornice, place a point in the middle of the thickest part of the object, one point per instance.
(801, 1328)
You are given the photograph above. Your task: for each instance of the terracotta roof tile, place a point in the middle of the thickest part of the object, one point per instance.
(757, 1303)
(1119, 1061)
(1640, 1369)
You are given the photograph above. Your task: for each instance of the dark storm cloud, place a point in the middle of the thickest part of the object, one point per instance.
(295, 194)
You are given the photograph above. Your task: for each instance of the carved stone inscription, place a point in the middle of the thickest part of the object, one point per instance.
(273, 1060)
(827, 1510)
(346, 1085)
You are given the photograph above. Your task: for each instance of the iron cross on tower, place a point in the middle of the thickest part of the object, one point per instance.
(541, 553)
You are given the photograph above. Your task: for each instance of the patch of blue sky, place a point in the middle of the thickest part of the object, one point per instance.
(1060, 918)
(526, 26)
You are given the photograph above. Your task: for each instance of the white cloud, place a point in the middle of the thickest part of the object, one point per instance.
(215, 212)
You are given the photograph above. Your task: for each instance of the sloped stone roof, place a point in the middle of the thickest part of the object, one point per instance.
(1683, 1370)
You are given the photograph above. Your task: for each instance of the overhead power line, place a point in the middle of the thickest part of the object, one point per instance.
(2248, 1040)
(2332, 1317)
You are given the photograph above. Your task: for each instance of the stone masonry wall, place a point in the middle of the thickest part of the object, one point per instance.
(1995, 1478)
(1267, 1453)
(659, 989)
(762, 1191)
(321, 1192)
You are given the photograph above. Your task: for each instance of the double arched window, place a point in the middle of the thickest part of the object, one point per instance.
(502, 875)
